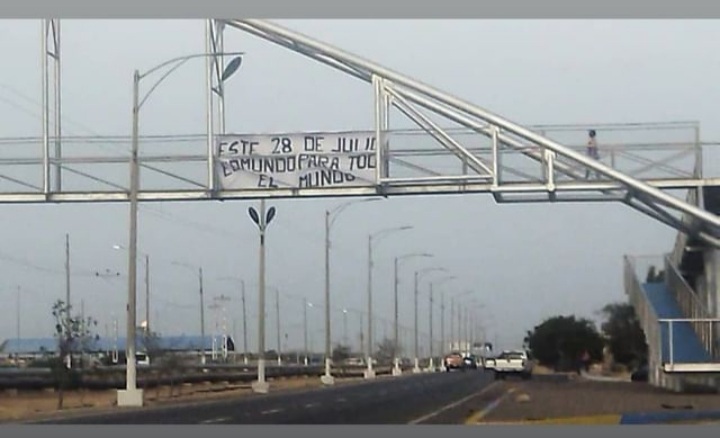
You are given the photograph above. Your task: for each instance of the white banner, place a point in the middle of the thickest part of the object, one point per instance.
(305, 160)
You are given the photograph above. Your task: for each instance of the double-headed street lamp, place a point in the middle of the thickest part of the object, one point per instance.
(131, 395)
(330, 218)
(418, 275)
(369, 373)
(396, 368)
(262, 220)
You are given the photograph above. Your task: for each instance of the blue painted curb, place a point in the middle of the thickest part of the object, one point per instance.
(668, 417)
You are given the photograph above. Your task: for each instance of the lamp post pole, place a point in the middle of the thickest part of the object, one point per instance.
(396, 368)
(431, 364)
(369, 372)
(330, 217)
(262, 220)
(416, 294)
(131, 395)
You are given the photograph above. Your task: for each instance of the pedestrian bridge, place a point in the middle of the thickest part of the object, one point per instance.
(456, 147)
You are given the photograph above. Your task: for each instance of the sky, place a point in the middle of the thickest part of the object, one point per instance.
(523, 262)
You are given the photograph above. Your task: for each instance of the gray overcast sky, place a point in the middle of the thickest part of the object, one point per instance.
(525, 262)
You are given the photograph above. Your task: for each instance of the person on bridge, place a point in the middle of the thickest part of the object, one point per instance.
(592, 151)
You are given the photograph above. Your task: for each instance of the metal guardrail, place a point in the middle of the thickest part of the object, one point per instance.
(693, 308)
(651, 324)
(148, 376)
(703, 366)
(647, 317)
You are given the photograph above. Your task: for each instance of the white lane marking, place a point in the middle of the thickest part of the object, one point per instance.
(215, 420)
(453, 404)
(309, 405)
(271, 411)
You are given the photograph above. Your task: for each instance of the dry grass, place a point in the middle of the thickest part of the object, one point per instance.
(26, 405)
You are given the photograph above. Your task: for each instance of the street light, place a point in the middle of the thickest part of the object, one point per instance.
(396, 368)
(432, 283)
(330, 218)
(369, 373)
(262, 220)
(132, 396)
(418, 275)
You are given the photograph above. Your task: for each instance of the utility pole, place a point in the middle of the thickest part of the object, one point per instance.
(396, 339)
(202, 317)
(442, 326)
(68, 307)
(416, 368)
(430, 366)
(452, 322)
(345, 328)
(305, 329)
(147, 294)
(17, 317)
(369, 373)
(245, 338)
(277, 316)
(327, 378)
(82, 333)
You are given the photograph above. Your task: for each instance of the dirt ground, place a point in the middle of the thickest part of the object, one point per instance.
(30, 404)
(543, 399)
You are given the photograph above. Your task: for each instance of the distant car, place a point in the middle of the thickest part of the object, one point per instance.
(510, 362)
(453, 361)
(470, 362)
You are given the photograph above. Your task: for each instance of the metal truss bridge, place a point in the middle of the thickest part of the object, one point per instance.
(455, 147)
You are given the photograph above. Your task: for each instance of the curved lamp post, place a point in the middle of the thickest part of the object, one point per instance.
(369, 372)
(330, 218)
(131, 395)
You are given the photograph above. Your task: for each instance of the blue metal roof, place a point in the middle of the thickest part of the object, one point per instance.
(174, 343)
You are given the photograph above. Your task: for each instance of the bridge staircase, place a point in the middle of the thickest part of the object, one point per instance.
(675, 297)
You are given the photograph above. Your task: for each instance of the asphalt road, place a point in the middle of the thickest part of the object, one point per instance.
(436, 398)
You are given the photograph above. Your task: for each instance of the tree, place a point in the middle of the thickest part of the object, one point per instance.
(559, 342)
(340, 353)
(625, 336)
(166, 363)
(387, 350)
(71, 332)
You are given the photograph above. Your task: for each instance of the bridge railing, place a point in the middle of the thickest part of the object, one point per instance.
(692, 308)
(646, 315)
(704, 325)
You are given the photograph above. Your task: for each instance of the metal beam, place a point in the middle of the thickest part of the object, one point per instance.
(264, 28)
